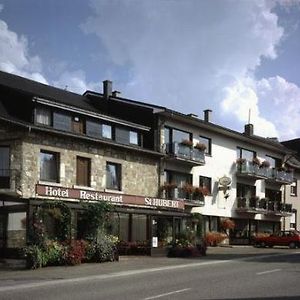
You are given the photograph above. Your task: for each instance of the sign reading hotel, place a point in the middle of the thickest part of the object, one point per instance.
(68, 193)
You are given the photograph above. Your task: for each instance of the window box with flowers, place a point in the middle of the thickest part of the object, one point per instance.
(200, 147)
(187, 143)
(168, 190)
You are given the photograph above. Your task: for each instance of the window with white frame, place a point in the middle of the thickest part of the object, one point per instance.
(294, 188)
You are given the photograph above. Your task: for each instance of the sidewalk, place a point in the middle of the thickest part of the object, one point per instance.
(126, 263)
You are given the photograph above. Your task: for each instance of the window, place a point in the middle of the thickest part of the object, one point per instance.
(83, 167)
(113, 176)
(4, 167)
(133, 138)
(106, 131)
(126, 136)
(179, 136)
(181, 180)
(207, 142)
(294, 188)
(245, 191)
(273, 195)
(274, 162)
(62, 122)
(93, 129)
(49, 166)
(205, 182)
(246, 154)
(43, 116)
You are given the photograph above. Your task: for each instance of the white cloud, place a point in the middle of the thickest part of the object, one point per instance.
(14, 56)
(74, 81)
(274, 114)
(193, 55)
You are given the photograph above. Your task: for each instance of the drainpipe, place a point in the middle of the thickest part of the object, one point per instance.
(284, 200)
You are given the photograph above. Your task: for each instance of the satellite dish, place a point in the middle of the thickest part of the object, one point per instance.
(225, 181)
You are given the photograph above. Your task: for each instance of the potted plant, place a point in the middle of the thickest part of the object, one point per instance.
(200, 146)
(265, 164)
(187, 143)
(240, 161)
(189, 189)
(256, 161)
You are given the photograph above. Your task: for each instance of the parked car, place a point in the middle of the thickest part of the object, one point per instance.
(290, 238)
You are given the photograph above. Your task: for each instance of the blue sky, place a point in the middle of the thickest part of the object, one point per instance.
(231, 56)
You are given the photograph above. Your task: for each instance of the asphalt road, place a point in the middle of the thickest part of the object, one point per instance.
(273, 274)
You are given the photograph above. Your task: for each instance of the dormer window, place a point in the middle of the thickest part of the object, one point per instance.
(62, 121)
(106, 131)
(133, 138)
(43, 116)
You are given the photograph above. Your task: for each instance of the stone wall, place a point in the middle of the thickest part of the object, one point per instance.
(139, 170)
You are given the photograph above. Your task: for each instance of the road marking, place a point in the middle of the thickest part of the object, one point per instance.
(132, 272)
(168, 294)
(268, 272)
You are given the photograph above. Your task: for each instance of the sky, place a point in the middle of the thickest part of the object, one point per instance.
(239, 58)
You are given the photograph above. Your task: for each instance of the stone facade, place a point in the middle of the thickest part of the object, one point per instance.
(139, 170)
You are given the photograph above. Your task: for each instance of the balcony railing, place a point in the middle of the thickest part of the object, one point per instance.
(281, 176)
(9, 180)
(262, 206)
(181, 151)
(180, 193)
(249, 169)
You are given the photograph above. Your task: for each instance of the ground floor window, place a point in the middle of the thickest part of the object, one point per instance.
(246, 229)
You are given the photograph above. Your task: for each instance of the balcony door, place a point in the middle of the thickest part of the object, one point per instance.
(4, 167)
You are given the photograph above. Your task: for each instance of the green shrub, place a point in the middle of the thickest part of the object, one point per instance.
(36, 257)
(55, 252)
(102, 250)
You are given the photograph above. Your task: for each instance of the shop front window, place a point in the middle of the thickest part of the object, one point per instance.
(16, 230)
(162, 231)
(139, 228)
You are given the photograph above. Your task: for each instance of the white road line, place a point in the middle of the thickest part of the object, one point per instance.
(168, 294)
(268, 272)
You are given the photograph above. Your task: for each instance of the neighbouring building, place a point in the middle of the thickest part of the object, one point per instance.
(242, 175)
(292, 192)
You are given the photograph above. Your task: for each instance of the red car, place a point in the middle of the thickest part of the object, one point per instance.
(289, 238)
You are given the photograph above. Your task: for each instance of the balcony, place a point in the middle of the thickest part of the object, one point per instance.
(263, 206)
(184, 153)
(10, 181)
(280, 176)
(250, 169)
(248, 205)
(194, 199)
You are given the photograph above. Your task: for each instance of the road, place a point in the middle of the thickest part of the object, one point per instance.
(272, 274)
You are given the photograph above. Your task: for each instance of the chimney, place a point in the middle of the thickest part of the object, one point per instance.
(207, 115)
(107, 89)
(249, 129)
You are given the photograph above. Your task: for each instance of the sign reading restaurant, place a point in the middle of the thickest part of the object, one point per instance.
(81, 194)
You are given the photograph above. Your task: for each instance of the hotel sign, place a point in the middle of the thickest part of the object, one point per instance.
(81, 194)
